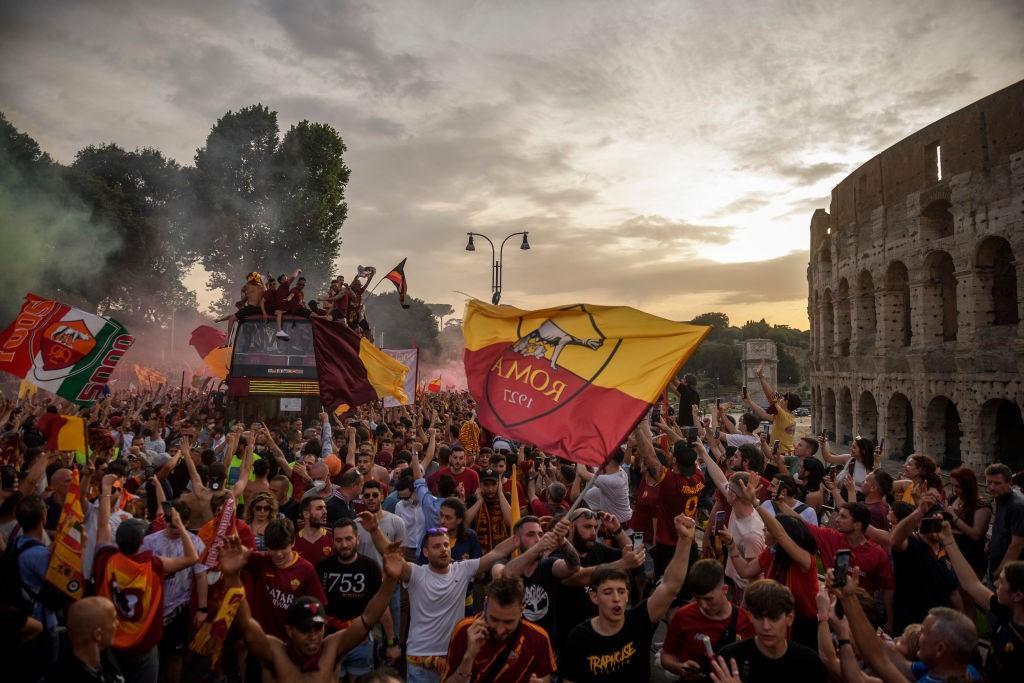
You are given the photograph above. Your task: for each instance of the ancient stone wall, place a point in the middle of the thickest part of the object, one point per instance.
(916, 292)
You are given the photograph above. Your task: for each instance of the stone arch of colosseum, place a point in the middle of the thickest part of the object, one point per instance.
(916, 292)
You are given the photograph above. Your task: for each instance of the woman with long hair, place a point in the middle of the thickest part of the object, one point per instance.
(812, 473)
(923, 472)
(259, 513)
(858, 462)
(789, 558)
(970, 523)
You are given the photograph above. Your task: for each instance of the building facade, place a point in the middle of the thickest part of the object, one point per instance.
(916, 292)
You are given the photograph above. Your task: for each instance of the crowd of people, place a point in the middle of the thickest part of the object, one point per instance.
(286, 295)
(411, 544)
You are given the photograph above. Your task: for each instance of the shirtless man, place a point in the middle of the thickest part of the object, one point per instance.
(254, 295)
(306, 619)
(355, 299)
(198, 500)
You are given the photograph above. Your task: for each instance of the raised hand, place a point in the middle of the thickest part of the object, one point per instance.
(686, 528)
(394, 563)
(368, 521)
(233, 555)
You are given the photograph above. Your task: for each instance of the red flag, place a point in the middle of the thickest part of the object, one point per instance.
(397, 277)
(205, 339)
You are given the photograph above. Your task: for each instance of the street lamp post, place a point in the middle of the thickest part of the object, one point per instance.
(496, 260)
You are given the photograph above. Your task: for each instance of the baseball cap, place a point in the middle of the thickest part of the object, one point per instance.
(489, 475)
(305, 613)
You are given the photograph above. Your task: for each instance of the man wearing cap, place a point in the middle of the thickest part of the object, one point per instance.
(140, 610)
(304, 653)
(491, 515)
(437, 593)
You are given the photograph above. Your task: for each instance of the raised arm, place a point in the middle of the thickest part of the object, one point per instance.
(645, 446)
(232, 558)
(500, 552)
(394, 567)
(969, 581)
(868, 644)
(675, 573)
(901, 533)
(369, 523)
(350, 449)
(176, 564)
(326, 436)
(238, 489)
(714, 471)
(103, 536)
(798, 555)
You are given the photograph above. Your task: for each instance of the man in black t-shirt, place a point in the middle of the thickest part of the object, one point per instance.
(574, 605)
(923, 574)
(770, 656)
(616, 644)
(542, 576)
(350, 581)
(1005, 610)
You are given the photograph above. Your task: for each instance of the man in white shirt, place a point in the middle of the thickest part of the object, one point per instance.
(437, 593)
(610, 491)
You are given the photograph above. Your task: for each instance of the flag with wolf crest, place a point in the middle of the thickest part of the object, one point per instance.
(62, 349)
(572, 380)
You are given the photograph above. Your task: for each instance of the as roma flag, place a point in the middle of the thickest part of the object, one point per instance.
(351, 370)
(397, 277)
(61, 349)
(572, 380)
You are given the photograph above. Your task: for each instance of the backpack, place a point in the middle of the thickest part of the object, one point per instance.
(13, 590)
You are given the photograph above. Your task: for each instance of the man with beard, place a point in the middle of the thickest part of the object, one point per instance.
(616, 644)
(574, 604)
(350, 580)
(491, 514)
(437, 592)
(542, 576)
(499, 645)
(388, 522)
(303, 653)
(313, 542)
(468, 478)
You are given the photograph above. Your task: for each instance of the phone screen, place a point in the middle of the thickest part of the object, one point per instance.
(842, 568)
(719, 519)
(638, 540)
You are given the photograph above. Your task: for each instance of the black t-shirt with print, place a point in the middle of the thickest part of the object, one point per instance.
(1007, 652)
(587, 656)
(349, 587)
(539, 599)
(923, 581)
(799, 662)
(574, 604)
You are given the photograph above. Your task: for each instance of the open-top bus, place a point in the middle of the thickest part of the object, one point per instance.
(272, 377)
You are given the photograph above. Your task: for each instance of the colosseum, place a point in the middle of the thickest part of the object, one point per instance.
(916, 292)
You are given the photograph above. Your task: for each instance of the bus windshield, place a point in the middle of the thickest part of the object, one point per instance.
(258, 351)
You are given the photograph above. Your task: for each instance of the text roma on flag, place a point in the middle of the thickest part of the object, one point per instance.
(62, 349)
(572, 380)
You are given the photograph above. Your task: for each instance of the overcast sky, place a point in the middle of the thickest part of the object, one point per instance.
(666, 155)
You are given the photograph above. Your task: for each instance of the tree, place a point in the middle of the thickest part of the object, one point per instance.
(788, 369)
(758, 329)
(716, 320)
(309, 199)
(144, 194)
(232, 185)
(402, 327)
(716, 359)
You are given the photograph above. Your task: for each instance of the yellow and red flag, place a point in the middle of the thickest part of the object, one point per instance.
(209, 343)
(434, 385)
(397, 278)
(572, 380)
(148, 376)
(65, 569)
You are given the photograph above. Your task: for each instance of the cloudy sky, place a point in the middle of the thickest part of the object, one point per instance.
(666, 155)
